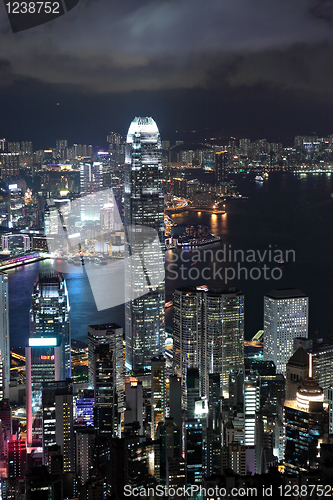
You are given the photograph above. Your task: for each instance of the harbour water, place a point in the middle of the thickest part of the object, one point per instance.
(284, 213)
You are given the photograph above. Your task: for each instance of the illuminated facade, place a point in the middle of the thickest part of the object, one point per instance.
(208, 334)
(306, 423)
(91, 181)
(4, 337)
(112, 335)
(285, 318)
(224, 331)
(158, 393)
(57, 404)
(144, 211)
(43, 364)
(251, 407)
(50, 314)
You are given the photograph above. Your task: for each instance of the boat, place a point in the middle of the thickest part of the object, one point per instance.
(259, 178)
(168, 304)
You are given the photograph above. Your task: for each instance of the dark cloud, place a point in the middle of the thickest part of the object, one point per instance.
(108, 46)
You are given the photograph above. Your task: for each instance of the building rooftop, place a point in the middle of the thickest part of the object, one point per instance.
(299, 358)
(286, 293)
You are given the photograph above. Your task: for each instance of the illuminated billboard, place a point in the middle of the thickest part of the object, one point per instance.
(42, 342)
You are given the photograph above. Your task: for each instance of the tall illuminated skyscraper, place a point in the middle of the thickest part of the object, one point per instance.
(208, 334)
(285, 318)
(50, 315)
(4, 336)
(144, 221)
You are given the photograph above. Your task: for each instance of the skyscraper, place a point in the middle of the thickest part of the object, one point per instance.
(91, 181)
(306, 422)
(208, 334)
(4, 334)
(144, 223)
(285, 318)
(50, 315)
(43, 364)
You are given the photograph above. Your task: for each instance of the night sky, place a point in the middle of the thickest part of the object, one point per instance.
(243, 68)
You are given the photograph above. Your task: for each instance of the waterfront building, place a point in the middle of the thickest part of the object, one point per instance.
(50, 315)
(285, 318)
(4, 337)
(221, 164)
(144, 227)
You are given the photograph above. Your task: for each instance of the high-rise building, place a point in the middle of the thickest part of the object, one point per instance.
(221, 159)
(158, 392)
(50, 315)
(306, 423)
(112, 335)
(91, 181)
(224, 331)
(285, 317)
(43, 364)
(17, 458)
(208, 334)
(251, 406)
(144, 212)
(57, 402)
(188, 336)
(107, 417)
(4, 336)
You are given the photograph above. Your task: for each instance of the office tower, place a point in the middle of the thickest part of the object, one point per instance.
(221, 163)
(322, 354)
(188, 338)
(4, 336)
(306, 423)
(208, 334)
(158, 392)
(91, 181)
(84, 407)
(297, 369)
(194, 453)
(50, 315)
(107, 417)
(134, 404)
(112, 335)
(251, 406)
(17, 458)
(43, 364)
(285, 317)
(144, 223)
(57, 404)
(224, 332)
